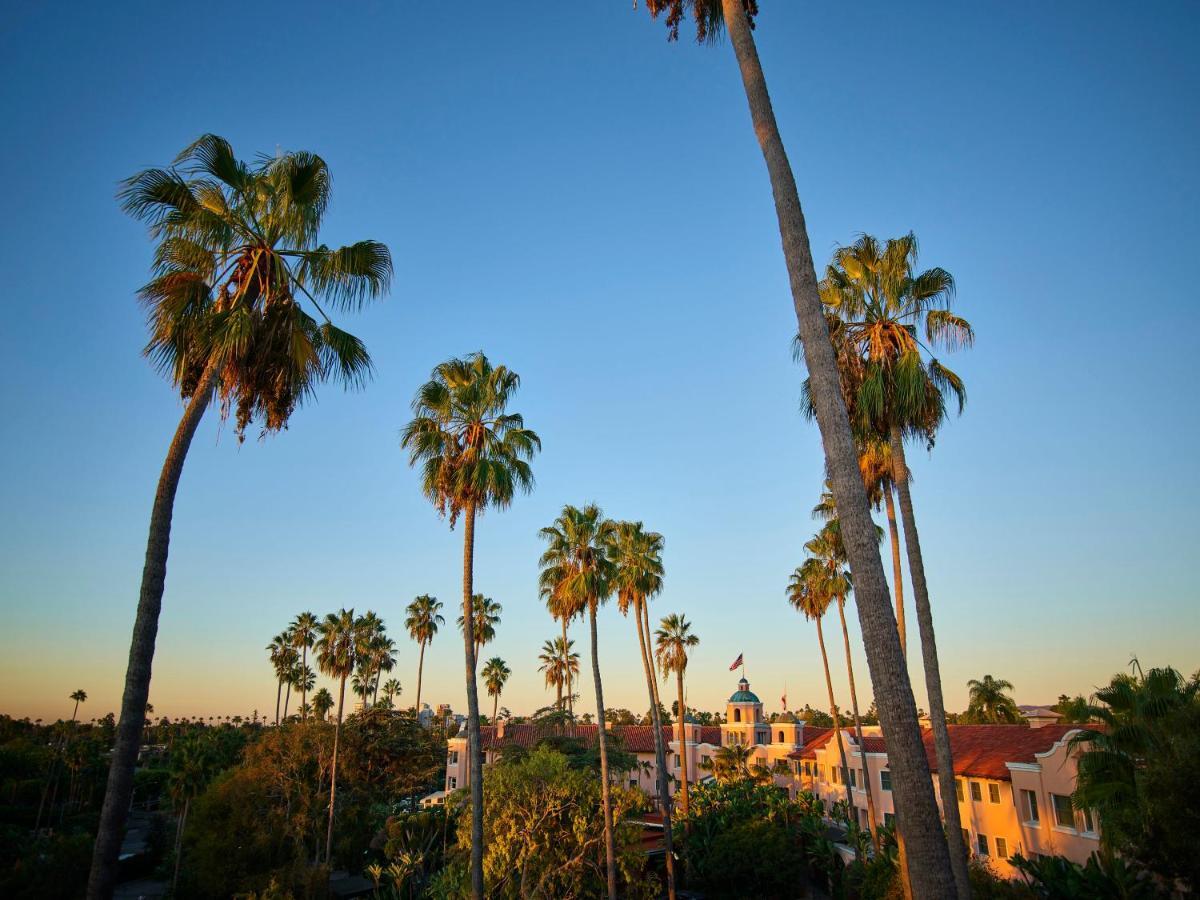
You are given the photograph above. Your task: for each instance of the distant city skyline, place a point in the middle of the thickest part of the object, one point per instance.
(586, 204)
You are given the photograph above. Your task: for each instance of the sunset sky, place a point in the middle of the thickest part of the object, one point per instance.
(563, 189)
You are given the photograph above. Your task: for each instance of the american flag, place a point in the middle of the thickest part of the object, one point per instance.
(737, 662)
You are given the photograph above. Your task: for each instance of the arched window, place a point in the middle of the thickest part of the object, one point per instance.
(737, 715)
(781, 737)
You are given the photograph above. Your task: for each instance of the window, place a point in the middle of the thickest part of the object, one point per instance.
(1088, 825)
(976, 793)
(833, 774)
(885, 780)
(781, 737)
(854, 778)
(889, 819)
(454, 757)
(451, 783)
(821, 767)
(993, 792)
(677, 760)
(958, 789)
(982, 844)
(1064, 815)
(1031, 807)
(737, 715)
(1002, 848)
(633, 782)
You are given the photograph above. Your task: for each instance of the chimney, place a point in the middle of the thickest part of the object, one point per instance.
(500, 729)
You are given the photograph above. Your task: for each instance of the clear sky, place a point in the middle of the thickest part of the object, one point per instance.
(586, 203)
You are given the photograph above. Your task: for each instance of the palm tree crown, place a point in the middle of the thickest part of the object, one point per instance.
(673, 640)
(576, 572)
(485, 616)
(422, 619)
(237, 260)
(470, 449)
(989, 701)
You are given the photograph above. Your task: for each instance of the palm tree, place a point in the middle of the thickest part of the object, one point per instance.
(391, 690)
(577, 573)
(304, 633)
(674, 639)
(277, 652)
(322, 703)
(880, 304)
(382, 650)
(916, 805)
(303, 679)
(563, 614)
(79, 696)
(191, 769)
(990, 703)
(637, 557)
(730, 763)
(826, 548)
(808, 591)
(238, 258)
(553, 665)
(339, 645)
(474, 454)
(495, 674)
(422, 623)
(486, 618)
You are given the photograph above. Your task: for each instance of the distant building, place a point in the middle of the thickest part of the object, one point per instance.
(1014, 782)
(1037, 716)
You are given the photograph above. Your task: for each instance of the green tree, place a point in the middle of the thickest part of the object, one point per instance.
(474, 454)
(916, 804)
(553, 659)
(304, 633)
(545, 828)
(673, 642)
(989, 702)
(192, 766)
(422, 621)
(339, 647)
(237, 258)
(486, 612)
(322, 703)
(495, 675)
(1139, 769)
(577, 574)
(391, 690)
(880, 305)
(636, 555)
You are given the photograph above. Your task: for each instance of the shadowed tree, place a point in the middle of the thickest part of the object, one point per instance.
(282, 658)
(674, 640)
(339, 647)
(422, 620)
(391, 690)
(495, 674)
(916, 805)
(322, 703)
(487, 617)
(473, 455)
(576, 572)
(886, 316)
(562, 612)
(989, 702)
(636, 555)
(79, 696)
(237, 261)
(556, 660)
(304, 632)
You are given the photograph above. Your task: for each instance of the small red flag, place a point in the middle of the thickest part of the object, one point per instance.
(737, 662)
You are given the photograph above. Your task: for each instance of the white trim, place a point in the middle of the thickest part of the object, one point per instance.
(1023, 767)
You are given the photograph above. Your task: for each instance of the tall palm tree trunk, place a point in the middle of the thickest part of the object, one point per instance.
(858, 734)
(278, 697)
(897, 571)
(337, 736)
(103, 876)
(495, 706)
(304, 683)
(833, 710)
(75, 712)
(610, 852)
(420, 670)
(683, 760)
(287, 698)
(660, 751)
(473, 744)
(916, 807)
(933, 675)
(179, 844)
(567, 653)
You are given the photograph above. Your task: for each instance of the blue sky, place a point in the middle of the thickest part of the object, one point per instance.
(586, 203)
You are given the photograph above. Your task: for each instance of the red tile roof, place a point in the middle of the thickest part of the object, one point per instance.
(983, 750)
(634, 738)
(978, 750)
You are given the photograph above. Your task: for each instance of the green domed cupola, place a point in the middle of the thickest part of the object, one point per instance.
(743, 694)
